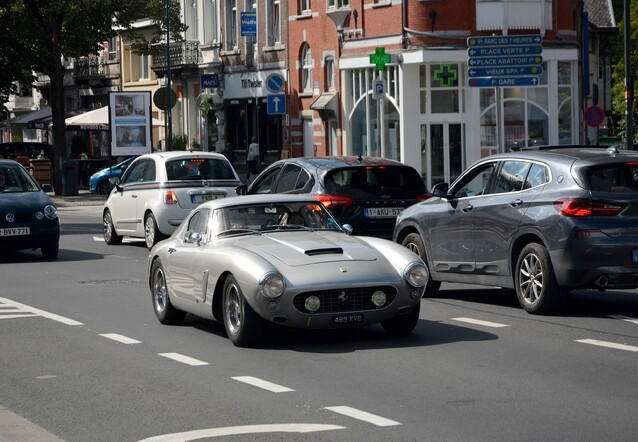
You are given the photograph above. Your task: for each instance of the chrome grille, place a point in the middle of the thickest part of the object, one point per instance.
(344, 300)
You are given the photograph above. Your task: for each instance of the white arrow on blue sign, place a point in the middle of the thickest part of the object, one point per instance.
(507, 71)
(504, 51)
(276, 104)
(505, 61)
(503, 82)
(505, 40)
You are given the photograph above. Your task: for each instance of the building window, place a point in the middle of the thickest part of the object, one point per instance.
(231, 25)
(330, 73)
(332, 4)
(274, 22)
(112, 48)
(306, 68)
(144, 72)
(304, 6)
(210, 29)
(446, 93)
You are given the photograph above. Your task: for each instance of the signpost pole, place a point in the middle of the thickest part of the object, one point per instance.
(169, 116)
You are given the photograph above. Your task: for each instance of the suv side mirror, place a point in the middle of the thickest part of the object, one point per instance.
(440, 190)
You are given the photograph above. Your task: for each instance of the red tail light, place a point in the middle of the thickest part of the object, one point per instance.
(170, 198)
(424, 197)
(584, 207)
(334, 201)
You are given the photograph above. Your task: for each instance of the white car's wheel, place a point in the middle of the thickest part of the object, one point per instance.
(243, 326)
(110, 235)
(152, 234)
(164, 310)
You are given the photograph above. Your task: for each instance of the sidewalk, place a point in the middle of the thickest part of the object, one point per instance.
(83, 198)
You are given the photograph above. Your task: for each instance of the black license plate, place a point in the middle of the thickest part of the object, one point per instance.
(347, 319)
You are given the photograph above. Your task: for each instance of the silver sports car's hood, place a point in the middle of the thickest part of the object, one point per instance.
(300, 248)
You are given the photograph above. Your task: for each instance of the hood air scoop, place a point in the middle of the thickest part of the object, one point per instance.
(326, 251)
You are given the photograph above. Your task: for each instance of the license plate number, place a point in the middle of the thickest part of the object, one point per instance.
(347, 319)
(634, 254)
(203, 198)
(15, 231)
(382, 212)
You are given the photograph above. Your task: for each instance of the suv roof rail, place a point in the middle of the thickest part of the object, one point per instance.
(558, 146)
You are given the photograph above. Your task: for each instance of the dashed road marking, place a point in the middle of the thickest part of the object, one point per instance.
(262, 384)
(243, 429)
(624, 318)
(479, 322)
(364, 416)
(183, 359)
(23, 311)
(608, 344)
(120, 338)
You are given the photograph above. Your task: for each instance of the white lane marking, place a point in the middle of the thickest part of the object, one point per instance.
(364, 416)
(38, 312)
(120, 338)
(624, 318)
(262, 384)
(183, 359)
(608, 344)
(243, 429)
(479, 322)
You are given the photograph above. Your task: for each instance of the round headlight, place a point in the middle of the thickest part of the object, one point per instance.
(50, 212)
(378, 298)
(272, 286)
(312, 303)
(417, 274)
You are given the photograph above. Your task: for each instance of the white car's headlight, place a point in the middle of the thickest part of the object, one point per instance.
(271, 285)
(417, 274)
(50, 212)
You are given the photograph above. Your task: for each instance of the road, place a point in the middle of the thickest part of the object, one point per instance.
(83, 358)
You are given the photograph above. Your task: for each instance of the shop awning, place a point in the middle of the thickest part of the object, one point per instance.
(30, 116)
(327, 104)
(97, 119)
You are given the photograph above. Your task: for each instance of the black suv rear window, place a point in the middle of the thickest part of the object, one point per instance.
(616, 178)
(372, 180)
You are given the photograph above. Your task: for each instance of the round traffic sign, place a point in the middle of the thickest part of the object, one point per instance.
(594, 116)
(159, 98)
(275, 83)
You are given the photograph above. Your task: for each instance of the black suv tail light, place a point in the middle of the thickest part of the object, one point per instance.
(578, 207)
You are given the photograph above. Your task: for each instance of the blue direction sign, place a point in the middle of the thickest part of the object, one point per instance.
(505, 40)
(507, 71)
(276, 104)
(209, 80)
(503, 82)
(505, 61)
(504, 51)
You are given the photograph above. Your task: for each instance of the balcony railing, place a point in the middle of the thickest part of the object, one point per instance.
(91, 67)
(182, 53)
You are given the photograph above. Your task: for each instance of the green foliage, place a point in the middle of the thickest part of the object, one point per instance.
(180, 142)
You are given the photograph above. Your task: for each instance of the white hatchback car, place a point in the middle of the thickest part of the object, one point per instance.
(159, 189)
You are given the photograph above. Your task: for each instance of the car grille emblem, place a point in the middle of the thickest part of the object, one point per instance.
(205, 183)
(343, 298)
(343, 269)
(10, 217)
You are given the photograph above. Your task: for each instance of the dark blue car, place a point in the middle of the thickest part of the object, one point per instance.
(99, 181)
(28, 218)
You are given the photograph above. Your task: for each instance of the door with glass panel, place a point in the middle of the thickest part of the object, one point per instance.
(445, 153)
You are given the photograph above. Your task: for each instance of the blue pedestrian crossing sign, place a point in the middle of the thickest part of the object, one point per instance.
(276, 104)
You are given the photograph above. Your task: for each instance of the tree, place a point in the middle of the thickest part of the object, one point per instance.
(36, 34)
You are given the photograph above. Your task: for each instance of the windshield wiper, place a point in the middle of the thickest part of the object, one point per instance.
(287, 227)
(238, 231)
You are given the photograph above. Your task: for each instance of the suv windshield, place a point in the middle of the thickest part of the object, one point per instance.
(199, 168)
(373, 180)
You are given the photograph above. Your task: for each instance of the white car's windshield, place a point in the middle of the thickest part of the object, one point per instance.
(275, 217)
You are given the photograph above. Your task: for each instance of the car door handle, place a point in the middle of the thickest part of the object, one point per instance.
(171, 250)
(516, 203)
(134, 195)
(467, 208)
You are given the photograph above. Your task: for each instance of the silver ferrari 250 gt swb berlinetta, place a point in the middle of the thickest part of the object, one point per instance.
(249, 260)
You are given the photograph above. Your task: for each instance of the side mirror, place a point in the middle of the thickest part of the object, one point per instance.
(440, 190)
(347, 228)
(196, 238)
(115, 182)
(241, 190)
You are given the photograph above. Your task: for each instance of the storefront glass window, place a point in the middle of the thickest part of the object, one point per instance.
(359, 130)
(444, 81)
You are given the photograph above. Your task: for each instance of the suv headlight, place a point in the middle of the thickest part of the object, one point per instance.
(271, 285)
(417, 274)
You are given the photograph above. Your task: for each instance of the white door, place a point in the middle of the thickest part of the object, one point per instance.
(445, 154)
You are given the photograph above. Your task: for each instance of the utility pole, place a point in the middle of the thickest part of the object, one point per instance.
(629, 82)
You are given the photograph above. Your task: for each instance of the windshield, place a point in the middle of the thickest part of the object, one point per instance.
(15, 179)
(199, 168)
(275, 217)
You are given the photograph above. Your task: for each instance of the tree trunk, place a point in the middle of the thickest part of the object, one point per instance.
(58, 113)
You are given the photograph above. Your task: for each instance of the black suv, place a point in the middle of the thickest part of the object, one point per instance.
(367, 193)
(541, 221)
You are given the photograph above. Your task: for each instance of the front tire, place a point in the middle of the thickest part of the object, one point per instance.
(536, 286)
(403, 324)
(243, 326)
(108, 229)
(164, 310)
(414, 243)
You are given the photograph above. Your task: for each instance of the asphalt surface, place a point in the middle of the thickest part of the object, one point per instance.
(83, 198)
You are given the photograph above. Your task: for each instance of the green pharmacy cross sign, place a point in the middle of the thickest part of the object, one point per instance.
(446, 75)
(380, 58)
